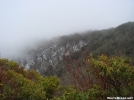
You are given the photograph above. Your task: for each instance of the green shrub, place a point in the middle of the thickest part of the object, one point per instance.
(19, 84)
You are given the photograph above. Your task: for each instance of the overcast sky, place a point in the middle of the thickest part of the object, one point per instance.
(26, 21)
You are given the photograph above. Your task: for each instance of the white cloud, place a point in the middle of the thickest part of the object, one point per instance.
(24, 21)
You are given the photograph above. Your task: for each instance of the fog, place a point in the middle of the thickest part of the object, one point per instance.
(23, 22)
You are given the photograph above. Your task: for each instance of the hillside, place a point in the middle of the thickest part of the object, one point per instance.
(94, 65)
(118, 41)
(47, 58)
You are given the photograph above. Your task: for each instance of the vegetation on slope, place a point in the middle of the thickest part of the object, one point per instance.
(104, 77)
(90, 77)
(19, 84)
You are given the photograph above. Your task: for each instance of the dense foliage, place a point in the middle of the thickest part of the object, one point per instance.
(19, 84)
(93, 79)
(109, 77)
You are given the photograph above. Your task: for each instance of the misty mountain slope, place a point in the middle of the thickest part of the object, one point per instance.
(47, 58)
(51, 55)
(120, 42)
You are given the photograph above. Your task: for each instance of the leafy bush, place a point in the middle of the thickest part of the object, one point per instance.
(50, 85)
(19, 84)
(114, 75)
(110, 76)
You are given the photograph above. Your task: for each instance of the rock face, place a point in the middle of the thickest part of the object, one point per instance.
(43, 59)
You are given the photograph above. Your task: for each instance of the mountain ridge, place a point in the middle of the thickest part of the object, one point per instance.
(47, 58)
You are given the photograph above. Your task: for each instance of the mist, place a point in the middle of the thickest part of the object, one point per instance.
(24, 22)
